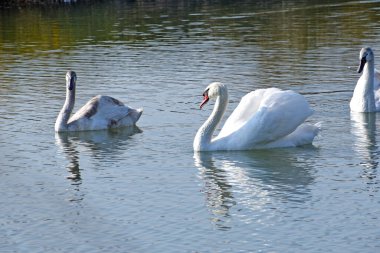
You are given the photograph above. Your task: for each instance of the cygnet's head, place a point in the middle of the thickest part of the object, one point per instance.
(71, 79)
(212, 91)
(365, 56)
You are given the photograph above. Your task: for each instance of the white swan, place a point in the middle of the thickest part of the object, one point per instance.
(265, 118)
(366, 97)
(101, 112)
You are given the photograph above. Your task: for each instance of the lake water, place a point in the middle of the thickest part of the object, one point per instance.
(144, 189)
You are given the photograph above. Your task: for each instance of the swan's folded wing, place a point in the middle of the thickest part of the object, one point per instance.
(246, 109)
(102, 108)
(279, 114)
(376, 87)
(112, 109)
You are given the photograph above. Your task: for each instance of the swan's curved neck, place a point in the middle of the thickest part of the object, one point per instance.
(202, 140)
(363, 99)
(64, 114)
(368, 85)
(369, 74)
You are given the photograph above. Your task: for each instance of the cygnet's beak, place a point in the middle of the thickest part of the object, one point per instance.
(72, 83)
(362, 63)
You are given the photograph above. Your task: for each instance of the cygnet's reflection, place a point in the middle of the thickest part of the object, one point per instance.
(363, 128)
(100, 144)
(254, 180)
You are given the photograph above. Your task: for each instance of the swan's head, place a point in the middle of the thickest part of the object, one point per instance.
(365, 56)
(71, 80)
(213, 91)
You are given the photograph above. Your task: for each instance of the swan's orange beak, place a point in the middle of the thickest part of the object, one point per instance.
(205, 100)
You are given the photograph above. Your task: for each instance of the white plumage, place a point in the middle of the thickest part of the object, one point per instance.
(265, 118)
(366, 96)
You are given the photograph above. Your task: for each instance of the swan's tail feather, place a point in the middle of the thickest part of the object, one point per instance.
(303, 135)
(306, 133)
(318, 126)
(136, 114)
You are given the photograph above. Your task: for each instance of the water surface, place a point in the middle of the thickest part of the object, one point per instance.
(144, 189)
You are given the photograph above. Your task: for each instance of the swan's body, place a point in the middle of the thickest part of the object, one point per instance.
(265, 118)
(366, 97)
(101, 112)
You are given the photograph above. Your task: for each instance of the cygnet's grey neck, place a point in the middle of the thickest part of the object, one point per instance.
(65, 113)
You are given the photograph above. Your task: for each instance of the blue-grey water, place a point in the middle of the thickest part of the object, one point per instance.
(144, 189)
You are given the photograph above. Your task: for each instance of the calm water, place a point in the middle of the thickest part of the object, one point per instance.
(143, 189)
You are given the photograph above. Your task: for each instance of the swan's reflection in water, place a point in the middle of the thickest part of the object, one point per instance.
(363, 128)
(248, 184)
(106, 144)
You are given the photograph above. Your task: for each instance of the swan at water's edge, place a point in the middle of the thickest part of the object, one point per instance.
(100, 112)
(366, 97)
(265, 118)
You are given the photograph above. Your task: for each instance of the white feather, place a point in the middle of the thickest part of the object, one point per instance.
(265, 118)
(366, 96)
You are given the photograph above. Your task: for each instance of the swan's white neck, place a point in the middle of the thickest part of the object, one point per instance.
(64, 114)
(364, 97)
(368, 76)
(203, 138)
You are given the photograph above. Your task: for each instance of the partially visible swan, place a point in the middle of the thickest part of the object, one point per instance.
(265, 118)
(101, 112)
(366, 97)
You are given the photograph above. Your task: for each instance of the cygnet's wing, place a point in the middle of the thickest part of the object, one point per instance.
(102, 109)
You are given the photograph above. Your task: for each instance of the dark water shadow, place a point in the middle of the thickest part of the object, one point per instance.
(254, 180)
